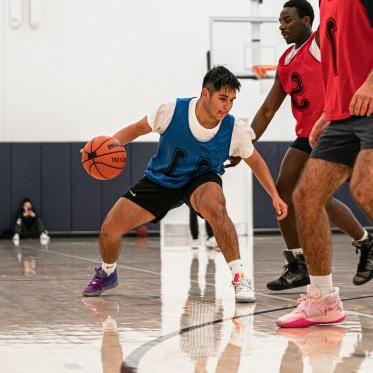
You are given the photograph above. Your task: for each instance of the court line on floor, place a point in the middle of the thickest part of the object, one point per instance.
(207, 283)
(135, 356)
(133, 359)
(158, 273)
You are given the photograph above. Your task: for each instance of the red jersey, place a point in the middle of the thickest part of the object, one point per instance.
(301, 79)
(346, 53)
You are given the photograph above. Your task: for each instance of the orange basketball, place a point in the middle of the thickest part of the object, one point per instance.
(104, 157)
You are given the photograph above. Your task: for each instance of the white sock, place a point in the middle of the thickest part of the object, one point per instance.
(109, 268)
(323, 283)
(297, 251)
(365, 236)
(236, 267)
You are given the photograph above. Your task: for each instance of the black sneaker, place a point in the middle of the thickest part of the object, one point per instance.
(365, 267)
(295, 273)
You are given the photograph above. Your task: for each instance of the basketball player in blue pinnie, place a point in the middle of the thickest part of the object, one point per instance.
(197, 135)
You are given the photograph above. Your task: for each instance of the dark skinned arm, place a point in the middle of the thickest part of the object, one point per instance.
(266, 112)
(264, 115)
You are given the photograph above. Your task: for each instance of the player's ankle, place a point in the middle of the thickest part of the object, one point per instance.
(296, 251)
(323, 283)
(108, 268)
(236, 266)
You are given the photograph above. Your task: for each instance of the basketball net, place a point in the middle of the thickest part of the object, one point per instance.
(261, 71)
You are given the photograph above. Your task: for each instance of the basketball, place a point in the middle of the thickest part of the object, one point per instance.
(104, 157)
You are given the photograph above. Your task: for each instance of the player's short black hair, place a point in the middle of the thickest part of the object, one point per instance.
(220, 76)
(304, 8)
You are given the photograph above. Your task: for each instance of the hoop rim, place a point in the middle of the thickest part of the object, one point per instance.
(261, 71)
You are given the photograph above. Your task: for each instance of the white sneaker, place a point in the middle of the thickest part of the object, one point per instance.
(243, 289)
(211, 243)
(44, 238)
(16, 239)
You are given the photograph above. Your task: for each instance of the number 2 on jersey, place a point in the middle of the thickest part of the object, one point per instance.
(298, 90)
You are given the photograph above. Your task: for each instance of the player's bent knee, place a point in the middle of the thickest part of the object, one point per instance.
(361, 193)
(108, 237)
(215, 211)
(300, 196)
(110, 230)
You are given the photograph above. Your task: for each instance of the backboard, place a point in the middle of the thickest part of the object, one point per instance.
(241, 42)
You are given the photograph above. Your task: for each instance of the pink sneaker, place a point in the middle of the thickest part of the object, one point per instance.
(314, 310)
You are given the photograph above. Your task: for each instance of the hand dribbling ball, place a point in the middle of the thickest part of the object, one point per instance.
(104, 157)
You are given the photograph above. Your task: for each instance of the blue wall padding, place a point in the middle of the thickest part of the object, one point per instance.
(69, 200)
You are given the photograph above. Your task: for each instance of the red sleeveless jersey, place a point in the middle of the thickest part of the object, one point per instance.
(346, 53)
(301, 79)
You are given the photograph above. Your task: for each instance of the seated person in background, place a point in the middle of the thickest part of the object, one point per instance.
(29, 224)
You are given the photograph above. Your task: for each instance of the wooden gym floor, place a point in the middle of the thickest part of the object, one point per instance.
(174, 310)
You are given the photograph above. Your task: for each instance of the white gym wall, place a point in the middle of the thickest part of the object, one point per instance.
(80, 68)
(74, 69)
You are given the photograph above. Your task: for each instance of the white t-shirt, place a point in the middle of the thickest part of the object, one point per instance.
(242, 136)
(314, 50)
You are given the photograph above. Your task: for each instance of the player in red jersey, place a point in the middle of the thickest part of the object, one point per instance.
(299, 75)
(344, 150)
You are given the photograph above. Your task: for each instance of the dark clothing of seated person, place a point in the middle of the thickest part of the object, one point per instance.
(29, 224)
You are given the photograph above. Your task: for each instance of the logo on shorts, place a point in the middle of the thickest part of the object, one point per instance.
(134, 194)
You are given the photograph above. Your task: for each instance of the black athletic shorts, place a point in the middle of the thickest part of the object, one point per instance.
(159, 200)
(342, 140)
(302, 144)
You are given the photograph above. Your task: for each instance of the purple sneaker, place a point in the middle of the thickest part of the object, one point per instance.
(100, 282)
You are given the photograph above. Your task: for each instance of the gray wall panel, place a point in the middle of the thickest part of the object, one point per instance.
(26, 175)
(5, 189)
(85, 195)
(139, 155)
(56, 186)
(68, 199)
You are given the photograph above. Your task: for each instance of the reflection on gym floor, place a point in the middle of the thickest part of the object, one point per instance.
(174, 310)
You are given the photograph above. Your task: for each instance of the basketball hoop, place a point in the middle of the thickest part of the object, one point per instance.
(261, 71)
